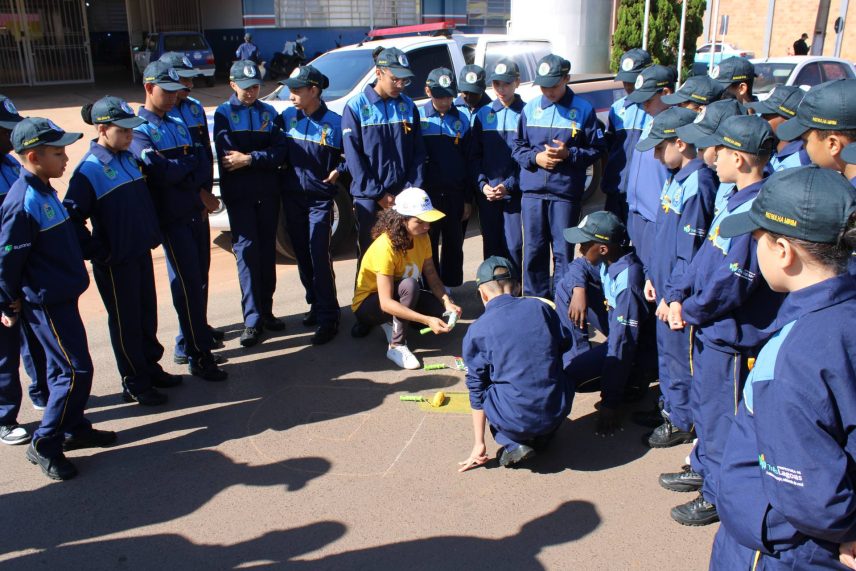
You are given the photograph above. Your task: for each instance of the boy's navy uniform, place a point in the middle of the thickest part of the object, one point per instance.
(314, 150)
(784, 101)
(110, 190)
(552, 198)
(472, 80)
(251, 193)
(384, 150)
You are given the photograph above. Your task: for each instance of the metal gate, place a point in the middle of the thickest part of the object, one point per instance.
(44, 42)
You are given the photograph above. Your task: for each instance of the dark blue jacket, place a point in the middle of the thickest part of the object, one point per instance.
(383, 144)
(582, 274)
(645, 179)
(787, 481)
(248, 51)
(251, 130)
(513, 353)
(190, 111)
(722, 290)
(314, 150)
(174, 167)
(447, 139)
(40, 257)
(494, 132)
(571, 120)
(626, 123)
(470, 114)
(10, 171)
(793, 155)
(686, 211)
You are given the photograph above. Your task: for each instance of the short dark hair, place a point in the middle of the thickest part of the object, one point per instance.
(833, 256)
(849, 134)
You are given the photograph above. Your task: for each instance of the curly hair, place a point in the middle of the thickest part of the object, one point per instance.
(394, 225)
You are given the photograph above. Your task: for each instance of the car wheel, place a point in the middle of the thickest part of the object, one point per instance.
(593, 175)
(343, 225)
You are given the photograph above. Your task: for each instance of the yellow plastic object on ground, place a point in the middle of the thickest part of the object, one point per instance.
(454, 402)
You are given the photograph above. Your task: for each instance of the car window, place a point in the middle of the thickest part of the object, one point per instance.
(704, 49)
(524, 54)
(834, 70)
(344, 69)
(769, 75)
(469, 53)
(184, 43)
(809, 75)
(422, 61)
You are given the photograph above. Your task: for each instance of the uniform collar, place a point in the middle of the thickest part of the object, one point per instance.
(101, 153)
(791, 148)
(497, 105)
(373, 97)
(499, 301)
(691, 167)
(746, 194)
(565, 101)
(485, 100)
(431, 112)
(235, 102)
(10, 161)
(152, 118)
(621, 264)
(317, 115)
(36, 183)
(825, 294)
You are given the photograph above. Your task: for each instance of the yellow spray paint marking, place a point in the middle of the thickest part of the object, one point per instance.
(455, 403)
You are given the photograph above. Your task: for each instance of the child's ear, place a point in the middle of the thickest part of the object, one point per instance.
(427, 91)
(835, 145)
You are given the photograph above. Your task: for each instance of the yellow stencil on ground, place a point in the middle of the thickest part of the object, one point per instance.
(455, 403)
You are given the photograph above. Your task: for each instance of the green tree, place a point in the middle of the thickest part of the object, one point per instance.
(664, 31)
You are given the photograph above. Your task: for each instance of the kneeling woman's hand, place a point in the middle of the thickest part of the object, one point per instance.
(437, 325)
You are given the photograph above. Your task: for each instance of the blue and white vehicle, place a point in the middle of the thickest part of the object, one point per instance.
(191, 44)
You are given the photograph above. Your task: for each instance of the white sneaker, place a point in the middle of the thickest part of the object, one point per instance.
(401, 356)
(387, 330)
(13, 434)
(39, 406)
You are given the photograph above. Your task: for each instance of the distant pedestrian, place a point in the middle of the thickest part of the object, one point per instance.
(800, 47)
(248, 50)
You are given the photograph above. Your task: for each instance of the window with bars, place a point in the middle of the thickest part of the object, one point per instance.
(346, 13)
(488, 13)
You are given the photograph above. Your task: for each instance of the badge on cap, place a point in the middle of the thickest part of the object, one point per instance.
(173, 75)
(444, 81)
(186, 61)
(714, 73)
(249, 71)
(627, 64)
(639, 81)
(544, 68)
(402, 59)
(700, 117)
(126, 108)
(500, 69)
(10, 107)
(472, 77)
(295, 73)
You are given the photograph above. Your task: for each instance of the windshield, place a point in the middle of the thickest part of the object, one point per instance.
(344, 69)
(769, 75)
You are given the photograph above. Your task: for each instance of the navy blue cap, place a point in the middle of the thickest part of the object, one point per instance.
(602, 227)
(441, 82)
(735, 69)
(746, 133)
(650, 81)
(506, 70)
(632, 63)
(163, 75)
(487, 270)
(34, 132)
(807, 203)
(783, 100)
(395, 61)
(665, 126)
(245, 74)
(699, 89)
(181, 63)
(306, 76)
(708, 119)
(830, 106)
(551, 70)
(472, 79)
(113, 110)
(9, 116)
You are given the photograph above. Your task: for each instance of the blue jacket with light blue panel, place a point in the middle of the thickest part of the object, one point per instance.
(383, 144)
(571, 120)
(10, 170)
(627, 121)
(494, 132)
(447, 140)
(786, 488)
(645, 178)
(250, 130)
(174, 167)
(314, 150)
(40, 257)
(686, 211)
(109, 188)
(792, 155)
(470, 114)
(190, 111)
(722, 291)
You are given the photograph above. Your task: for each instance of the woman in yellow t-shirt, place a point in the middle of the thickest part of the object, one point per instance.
(388, 282)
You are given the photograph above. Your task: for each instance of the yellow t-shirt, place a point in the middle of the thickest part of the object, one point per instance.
(382, 259)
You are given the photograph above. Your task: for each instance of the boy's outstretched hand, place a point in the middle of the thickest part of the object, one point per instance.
(477, 458)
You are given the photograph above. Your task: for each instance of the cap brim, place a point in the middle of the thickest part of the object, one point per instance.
(737, 225)
(640, 96)
(627, 76)
(189, 73)
(707, 141)
(441, 92)
(399, 72)
(547, 81)
(130, 122)
(674, 98)
(65, 140)
(430, 216)
(577, 236)
(471, 88)
(247, 83)
(791, 129)
(294, 83)
(690, 134)
(170, 86)
(503, 77)
(10, 124)
(849, 153)
(648, 144)
(764, 107)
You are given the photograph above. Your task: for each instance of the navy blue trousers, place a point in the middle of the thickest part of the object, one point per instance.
(310, 223)
(673, 357)
(18, 343)
(492, 222)
(365, 216)
(514, 230)
(184, 264)
(597, 317)
(253, 225)
(640, 231)
(544, 220)
(202, 236)
(447, 237)
(717, 386)
(128, 292)
(60, 332)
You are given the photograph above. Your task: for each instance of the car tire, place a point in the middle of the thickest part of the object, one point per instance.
(343, 225)
(593, 176)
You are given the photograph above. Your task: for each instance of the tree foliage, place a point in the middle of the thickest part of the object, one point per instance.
(664, 30)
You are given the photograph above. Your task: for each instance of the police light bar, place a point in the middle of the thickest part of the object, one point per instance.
(403, 30)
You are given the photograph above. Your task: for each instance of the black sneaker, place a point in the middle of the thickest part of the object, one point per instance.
(206, 368)
(360, 329)
(164, 380)
(149, 397)
(684, 481)
(667, 435)
(183, 360)
(217, 335)
(324, 334)
(271, 323)
(519, 454)
(309, 319)
(90, 439)
(648, 418)
(250, 336)
(57, 468)
(696, 513)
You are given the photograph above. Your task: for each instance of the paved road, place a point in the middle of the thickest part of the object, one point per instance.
(306, 458)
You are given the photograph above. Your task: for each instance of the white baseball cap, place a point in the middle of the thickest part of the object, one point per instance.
(415, 202)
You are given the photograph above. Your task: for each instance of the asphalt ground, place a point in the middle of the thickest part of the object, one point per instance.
(306, 458)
